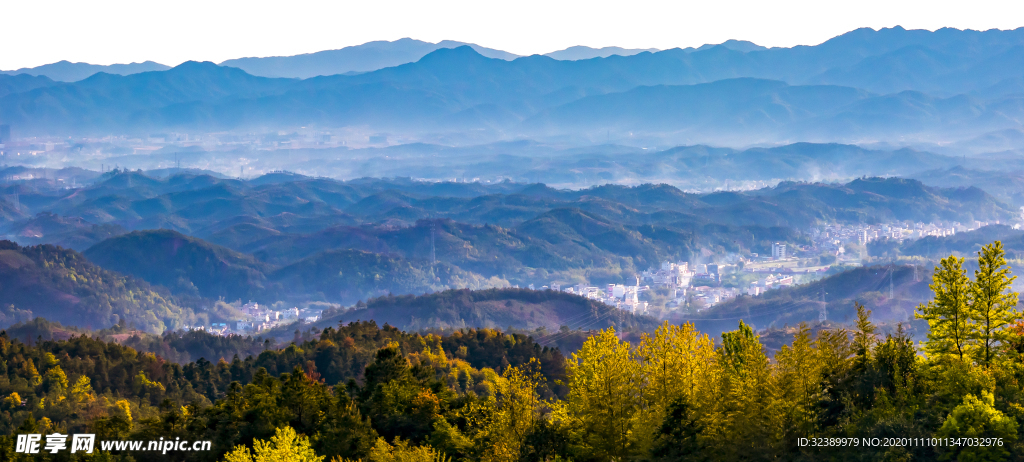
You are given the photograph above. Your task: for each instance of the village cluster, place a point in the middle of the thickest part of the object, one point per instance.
(256, 318)
(696, 286)
(833, 238)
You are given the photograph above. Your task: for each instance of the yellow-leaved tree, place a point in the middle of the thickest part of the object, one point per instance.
(515, 408)
(679, 365)
(284, 446)
(604, 397)
(746, 430)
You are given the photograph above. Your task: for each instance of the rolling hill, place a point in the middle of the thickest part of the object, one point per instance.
(792, 305)
(59, 284)
(183, 264)
(496, 308)
(278, 229)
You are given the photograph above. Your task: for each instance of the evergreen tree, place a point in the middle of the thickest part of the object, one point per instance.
(680, 436)
(948, 314)
(864, 337)
(992, 302)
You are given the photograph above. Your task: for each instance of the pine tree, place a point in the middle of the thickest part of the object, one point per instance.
(864, 337)
(948, 314)
(992, 301)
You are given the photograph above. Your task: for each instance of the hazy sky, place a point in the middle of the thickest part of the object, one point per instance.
(37, 32)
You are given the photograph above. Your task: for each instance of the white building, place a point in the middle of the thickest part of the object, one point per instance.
(778, 251)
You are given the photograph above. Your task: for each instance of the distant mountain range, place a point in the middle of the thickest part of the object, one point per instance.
(864, 86)
(367, 57)
(582, 52)
(65, 71)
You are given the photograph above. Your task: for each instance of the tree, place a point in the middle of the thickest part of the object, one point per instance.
(679, 363)
(604, 381)
(992, 302)
(978, 418)
(680, 435)
(515, 405)
(797, 378)
(737, 345)
(284, 446)
(747, 429)
(864, 337)
(948, 314)
(402, 451)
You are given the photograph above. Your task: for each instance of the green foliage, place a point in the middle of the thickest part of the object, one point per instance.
(978, 418)
(284, 446)
(971, 319)
(948, 315)
(993, 303)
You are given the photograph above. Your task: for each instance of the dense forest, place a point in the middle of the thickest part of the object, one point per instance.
(364, 392)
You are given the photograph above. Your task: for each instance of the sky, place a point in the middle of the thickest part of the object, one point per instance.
(38, 32)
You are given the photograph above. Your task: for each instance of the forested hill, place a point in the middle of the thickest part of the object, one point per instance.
(192, 267)
(789, 306)
(182, 263)
(57, 283)
(544, 312)
(295, 239)
(961, 244)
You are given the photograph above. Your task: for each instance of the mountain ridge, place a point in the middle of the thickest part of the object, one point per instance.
(66, 71)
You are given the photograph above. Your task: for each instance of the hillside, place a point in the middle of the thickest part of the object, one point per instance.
(792, 305)
(518, 309)
(286, 237)
(184, 264)
(21, 83)
(962, 244)
(59, 284)
(348, 276)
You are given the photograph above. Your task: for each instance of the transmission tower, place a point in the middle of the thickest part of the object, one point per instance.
(823, 314)
(892, 269)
